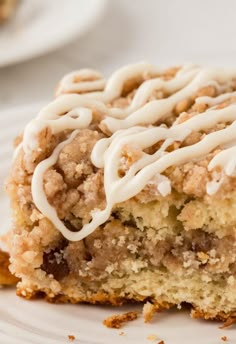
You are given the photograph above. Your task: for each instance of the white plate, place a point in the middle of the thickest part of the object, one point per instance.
(25, 322)
(40, 26)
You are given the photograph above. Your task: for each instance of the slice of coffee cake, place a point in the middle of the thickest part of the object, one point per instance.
(123, 190)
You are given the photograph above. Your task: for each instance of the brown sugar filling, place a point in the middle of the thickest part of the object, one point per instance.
(105, 252)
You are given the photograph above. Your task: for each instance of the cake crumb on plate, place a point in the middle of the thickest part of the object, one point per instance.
(116, 321)
(148, 311)
(230, 321)
(71, 338)
(152, 337)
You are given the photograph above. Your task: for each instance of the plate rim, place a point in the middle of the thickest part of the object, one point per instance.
(96, 13)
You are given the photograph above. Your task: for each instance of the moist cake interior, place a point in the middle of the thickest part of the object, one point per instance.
(171, 242)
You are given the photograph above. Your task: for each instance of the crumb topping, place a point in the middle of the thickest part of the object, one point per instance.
(145, 130)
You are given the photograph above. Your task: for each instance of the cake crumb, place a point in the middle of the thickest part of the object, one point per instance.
(231, 280)
(71, 338)
(224, 338)
(121, 333)
(116, 321)
(179, 306)
(6, 278)
(161, 342)
(152, 337)
(230, 321)
(148, 311)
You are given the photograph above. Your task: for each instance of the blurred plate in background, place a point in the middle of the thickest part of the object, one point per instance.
(41, 26)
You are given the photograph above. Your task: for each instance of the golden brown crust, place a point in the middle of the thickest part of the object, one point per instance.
(227, 318)
(115, 300)
(116, 321)
(6, 278)
(96, 298)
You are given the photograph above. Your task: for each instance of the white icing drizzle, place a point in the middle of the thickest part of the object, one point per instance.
(214, 185)
(120, 189)
(158, 109)
(84, 80)
(16, 151)
(212, 101)
(226, 160)
(38, 193)
(75, 112)
(114, 85)
(169, 86)
(162, 183)
(70, 111)
(116, 82)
